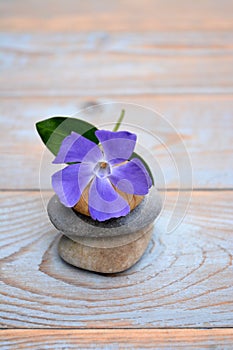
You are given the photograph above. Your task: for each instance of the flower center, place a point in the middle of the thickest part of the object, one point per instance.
(102, 170)
(103, 165)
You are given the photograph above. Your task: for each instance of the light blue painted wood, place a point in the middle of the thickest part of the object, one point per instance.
(185, 279)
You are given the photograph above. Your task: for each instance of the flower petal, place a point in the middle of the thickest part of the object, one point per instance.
(104, 202)
(131, 177)
(117, 145)
(143, 168)
(70, 182)
(76, 148)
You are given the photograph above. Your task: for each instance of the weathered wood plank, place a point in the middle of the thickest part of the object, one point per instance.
(205, 124)
(118, 339)
(185, 279)
(163, 43)
(99, 64)
(72, 15)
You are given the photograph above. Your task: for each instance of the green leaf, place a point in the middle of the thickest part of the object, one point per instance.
(53, 131)
(118, 123)
(135, 155)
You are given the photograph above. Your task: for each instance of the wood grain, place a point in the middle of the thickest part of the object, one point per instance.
(118, 339)
(185, 279)
(62, 66)
(172, 56)
(100, 64)
(205, 124)
(72, 15)
(162, 43)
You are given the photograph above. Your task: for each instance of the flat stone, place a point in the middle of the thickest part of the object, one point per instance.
(75, 225)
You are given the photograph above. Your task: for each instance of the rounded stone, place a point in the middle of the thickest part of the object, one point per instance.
(107, 258)
(106, 247)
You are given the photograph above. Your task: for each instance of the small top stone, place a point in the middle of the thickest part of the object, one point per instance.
(73, 224)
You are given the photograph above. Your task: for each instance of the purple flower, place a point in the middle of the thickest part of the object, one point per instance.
(104, 168)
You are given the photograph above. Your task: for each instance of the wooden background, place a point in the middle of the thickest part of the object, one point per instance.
(172, 56)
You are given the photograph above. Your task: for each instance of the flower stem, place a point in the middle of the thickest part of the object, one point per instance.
(118, 123)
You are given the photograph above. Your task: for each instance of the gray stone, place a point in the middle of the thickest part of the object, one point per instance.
(107, 247)
(73, 224)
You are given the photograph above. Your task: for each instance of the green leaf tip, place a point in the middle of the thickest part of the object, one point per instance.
(53, 131)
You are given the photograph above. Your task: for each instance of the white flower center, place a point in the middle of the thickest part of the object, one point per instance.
(102, 169)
